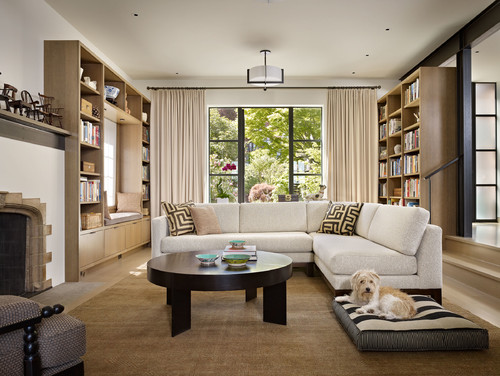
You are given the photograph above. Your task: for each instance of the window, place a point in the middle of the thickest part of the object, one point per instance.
(278, 147)
(110, 160)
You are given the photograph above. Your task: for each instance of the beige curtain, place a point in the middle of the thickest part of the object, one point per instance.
(351, 145)
(178, 146)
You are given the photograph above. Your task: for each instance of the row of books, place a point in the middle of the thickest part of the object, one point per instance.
(90, 190)
(382, 133)
(411, 164)
(394, 125)
(395, 166)
(412, 92)
(145, 134)
(145, 172)
(412, 187)
(382, 189)
(412, 140)
(145, 191)
(382, 112)
(382, 170)
(90, 133)
(145, 154)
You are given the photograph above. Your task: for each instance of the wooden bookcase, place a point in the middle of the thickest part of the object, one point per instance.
(62, 63)
(425, 104)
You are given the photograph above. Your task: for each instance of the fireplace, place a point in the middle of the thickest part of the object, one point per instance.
(23, 255)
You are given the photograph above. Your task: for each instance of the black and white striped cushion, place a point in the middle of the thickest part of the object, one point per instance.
(433, 328)
(180, 221)
(340, 219)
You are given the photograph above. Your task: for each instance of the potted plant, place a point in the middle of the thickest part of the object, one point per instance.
(222, 195)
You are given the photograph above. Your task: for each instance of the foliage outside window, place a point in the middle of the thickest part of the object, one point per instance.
(276, 149)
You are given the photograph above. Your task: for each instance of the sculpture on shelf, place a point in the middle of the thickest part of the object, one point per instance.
(317, 196)
(261, 192)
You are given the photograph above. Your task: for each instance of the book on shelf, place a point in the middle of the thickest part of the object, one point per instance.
(90, 133)
(145, 134)
(412, 164)
(395, 166)
(412, 92)
(382, 112)
(145, 154)
(250, 250)
(382, 170)
(382, 131)
(90, 190)
(412, 140)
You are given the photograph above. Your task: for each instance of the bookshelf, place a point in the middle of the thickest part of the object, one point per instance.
(420, 114)
(85, 108)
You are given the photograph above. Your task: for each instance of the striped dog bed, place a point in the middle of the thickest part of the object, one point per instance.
(433, 328)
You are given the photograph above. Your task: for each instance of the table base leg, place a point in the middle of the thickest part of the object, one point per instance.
(275, 303)
(250, 294)
(181, 311)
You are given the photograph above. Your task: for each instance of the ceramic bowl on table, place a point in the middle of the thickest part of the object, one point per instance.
(111, 92)
(236, 260)
(207, 258)
(238, 244)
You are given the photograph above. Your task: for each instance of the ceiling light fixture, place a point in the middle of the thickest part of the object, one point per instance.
(265, 75)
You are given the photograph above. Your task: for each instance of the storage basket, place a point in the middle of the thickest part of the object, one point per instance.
(91, 220)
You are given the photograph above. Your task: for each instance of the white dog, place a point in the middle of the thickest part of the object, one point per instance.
(385, 302)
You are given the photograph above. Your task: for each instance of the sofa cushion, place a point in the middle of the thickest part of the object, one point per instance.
(179, 217)
(346, 255)
(340, 219)
(205, 220)
(273, 217)
(365, 218)
(399, 228)
(227, 214)
(282, 242)
(316, 211)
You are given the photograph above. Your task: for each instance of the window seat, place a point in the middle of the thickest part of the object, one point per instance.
(121, 217)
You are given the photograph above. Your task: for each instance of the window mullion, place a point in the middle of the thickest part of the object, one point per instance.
(241, 155)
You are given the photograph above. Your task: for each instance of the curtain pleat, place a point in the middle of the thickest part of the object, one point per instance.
(351, 145)
(178, 147)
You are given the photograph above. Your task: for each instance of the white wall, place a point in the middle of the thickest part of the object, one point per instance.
(33, 170)
(37, 172)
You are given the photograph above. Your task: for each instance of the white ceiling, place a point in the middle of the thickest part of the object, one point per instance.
(310, 39)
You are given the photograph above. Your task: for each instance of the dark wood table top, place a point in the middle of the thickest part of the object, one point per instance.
(184, 271)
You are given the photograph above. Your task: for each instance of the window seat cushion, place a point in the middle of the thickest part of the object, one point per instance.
(121, 217)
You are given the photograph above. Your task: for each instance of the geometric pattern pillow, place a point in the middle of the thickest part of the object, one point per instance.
(340, 219)
(179, 217)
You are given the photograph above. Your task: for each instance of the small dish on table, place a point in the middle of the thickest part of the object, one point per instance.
(236, 260)
(207, 259)
(237, 244)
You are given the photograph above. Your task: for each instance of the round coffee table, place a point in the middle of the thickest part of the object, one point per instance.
(182, 273)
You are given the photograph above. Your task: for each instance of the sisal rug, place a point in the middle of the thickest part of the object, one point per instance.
(128, 333)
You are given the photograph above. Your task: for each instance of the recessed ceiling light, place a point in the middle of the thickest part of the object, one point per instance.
(387, 29)
(477, 51)
(135, 14)
(353, 72)
(367, 55)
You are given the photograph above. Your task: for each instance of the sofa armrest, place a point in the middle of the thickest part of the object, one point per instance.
(159, 230)
(17, 312)
(429, 258)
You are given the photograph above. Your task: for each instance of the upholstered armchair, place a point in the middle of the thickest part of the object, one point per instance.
(39, 341)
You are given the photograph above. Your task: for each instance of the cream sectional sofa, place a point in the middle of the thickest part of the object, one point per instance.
(397, 242)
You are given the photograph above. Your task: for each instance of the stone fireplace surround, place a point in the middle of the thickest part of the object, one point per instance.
(37, 230)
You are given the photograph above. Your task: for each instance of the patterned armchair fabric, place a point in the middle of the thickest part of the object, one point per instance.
(60, 338)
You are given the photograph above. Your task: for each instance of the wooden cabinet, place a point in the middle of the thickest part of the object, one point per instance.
(91, 247)
(114, 240)
(133, 234)
(85, 108)
(146, 230)
(417, 135)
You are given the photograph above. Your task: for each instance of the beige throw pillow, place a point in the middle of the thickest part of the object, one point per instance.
(128, 202)
(205, 220)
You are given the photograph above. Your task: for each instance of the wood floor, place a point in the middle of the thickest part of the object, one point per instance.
(104, 276)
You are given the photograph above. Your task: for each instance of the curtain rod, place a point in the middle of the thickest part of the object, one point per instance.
(261, 88)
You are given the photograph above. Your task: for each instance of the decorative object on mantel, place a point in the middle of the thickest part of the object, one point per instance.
(288, 198)
(49, 112)
(265, 75)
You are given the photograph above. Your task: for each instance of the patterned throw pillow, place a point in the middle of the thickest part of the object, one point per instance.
(179, 217)
(340, 219)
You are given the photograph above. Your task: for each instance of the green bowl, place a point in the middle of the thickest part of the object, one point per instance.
(237, 243)
(237, 260)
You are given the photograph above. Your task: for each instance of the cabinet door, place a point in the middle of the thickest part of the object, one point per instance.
(91, 247)
(114, 240)
(133, 234)
(146, 230)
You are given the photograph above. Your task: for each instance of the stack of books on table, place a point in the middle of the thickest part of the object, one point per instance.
(246, 250)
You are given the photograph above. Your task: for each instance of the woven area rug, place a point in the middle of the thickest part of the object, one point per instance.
(128, 333)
